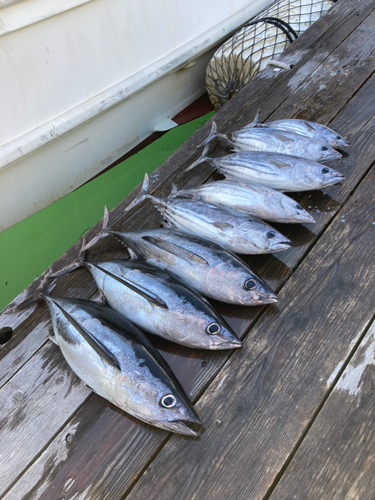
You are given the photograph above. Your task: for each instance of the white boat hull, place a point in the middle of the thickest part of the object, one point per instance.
(79, 89)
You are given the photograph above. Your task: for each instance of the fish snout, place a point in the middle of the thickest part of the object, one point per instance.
(233, 343)
(271, 298)
(306, 218)
(280, 245)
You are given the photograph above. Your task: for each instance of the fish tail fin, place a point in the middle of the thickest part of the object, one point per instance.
(79, 262)
(104, 232)
(213, 135)
(203, 157)
(40, 292)
(142, 195)
(255, 122)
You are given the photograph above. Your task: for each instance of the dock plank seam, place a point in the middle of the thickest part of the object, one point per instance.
(300, 441)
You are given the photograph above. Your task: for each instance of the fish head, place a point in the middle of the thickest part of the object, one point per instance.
(291, 211)
(258, 290)
(320, 176)
(239, 284)
(321, 152)
(333, 139)
(266, 238)
(202, 326)
(157, 402)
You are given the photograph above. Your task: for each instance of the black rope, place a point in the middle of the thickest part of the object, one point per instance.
(279, 23)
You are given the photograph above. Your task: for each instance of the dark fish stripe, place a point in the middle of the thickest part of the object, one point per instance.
(98, 347)
(152, 299)
(175, 249)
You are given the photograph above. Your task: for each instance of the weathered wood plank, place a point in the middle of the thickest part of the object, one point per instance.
(268, 89)
(119, 448)
(113, 455)
(264, 398)
(337, 458)
(35, 403)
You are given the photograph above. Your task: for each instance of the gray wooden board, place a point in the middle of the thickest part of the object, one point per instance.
(80, 284)
(107, 484)
(33, 408)
(269, 89)
(336, 461)
(267, 393)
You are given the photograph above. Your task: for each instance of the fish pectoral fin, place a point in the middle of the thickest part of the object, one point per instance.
(175, 249)
(279, 163)
(103, 352)
(310, 127)
(283, 138)
(99, 298)
(132, 255)
(152, 298)
(222, 225)
(168, 225)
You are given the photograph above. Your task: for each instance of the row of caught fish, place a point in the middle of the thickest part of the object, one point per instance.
(160, 288)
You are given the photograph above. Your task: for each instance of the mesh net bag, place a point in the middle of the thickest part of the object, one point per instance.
(257, 43)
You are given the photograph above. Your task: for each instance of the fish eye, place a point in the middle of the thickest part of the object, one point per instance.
(271, 234)
(298, 207)
(168, 401)
(213, 329)
(250, 284)
(325, 170)
(324, 148)
(338, 137)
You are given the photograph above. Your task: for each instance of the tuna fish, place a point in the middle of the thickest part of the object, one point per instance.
(159, 304)
(306, 128)
(251, 199)
(201, 264)
(233, 231)
(275, 141)
(276, 171)
(117, 361)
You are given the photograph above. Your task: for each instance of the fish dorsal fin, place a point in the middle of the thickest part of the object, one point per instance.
(102, 351)
(146, 294)
(279, 163)
(222, 225)
(175, 249)
(283, 138)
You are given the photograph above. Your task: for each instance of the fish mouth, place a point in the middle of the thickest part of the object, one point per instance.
(180, 426)
(334, 179)
(339, 143)
(333, 156)
(306, 218)
(281, 245)
(227, 344)
(270, 298)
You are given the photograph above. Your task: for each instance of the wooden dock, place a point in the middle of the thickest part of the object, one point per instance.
(288, 416)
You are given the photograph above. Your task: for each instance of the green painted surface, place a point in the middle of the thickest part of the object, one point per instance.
(31, 246)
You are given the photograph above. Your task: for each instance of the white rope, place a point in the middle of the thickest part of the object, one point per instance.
(279, 64)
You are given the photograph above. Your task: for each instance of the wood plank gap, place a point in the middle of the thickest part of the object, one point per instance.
(62, 426)
(253, 325)
(349, 99)
(318, 410)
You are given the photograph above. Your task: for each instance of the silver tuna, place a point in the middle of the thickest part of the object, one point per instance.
(231, 230)
(201, 264)
(118, 362)
(159, 304)
(313, 130)
(277, 171)
(251, 199)
(276, 141)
